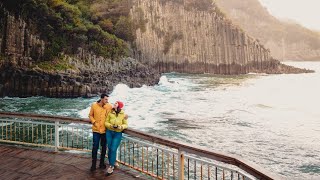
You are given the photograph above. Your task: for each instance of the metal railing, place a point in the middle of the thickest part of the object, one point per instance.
(155, 156)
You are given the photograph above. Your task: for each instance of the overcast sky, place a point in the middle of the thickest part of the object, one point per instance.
(305, 12)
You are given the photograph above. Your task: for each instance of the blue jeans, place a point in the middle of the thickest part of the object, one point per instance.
(113, 141)
(97, 137)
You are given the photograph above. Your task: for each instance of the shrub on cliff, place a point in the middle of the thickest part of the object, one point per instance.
(66, 25)
(124, 29)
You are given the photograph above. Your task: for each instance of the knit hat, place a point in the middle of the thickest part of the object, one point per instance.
(120, 104)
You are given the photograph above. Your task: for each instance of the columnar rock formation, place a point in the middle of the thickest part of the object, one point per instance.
(174, 36)
(21, 51)
(88, 81)
(286, 40)
(17, 43)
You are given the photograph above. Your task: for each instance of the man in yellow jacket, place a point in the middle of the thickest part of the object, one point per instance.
(98, 113)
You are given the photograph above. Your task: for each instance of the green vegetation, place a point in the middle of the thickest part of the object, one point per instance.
(103, 27)
(54, 65)
(124, 29)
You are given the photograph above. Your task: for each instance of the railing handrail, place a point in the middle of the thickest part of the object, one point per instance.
(249, 167)
(44, 117)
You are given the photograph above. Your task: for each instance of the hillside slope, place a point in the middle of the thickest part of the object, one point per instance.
(286, 41)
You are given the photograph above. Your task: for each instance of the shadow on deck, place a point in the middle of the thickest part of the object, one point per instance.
(23, 163)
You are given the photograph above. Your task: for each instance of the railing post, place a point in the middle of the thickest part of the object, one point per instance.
(56, 136)
(181, 165)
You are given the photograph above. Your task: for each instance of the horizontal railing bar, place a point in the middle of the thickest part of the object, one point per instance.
(75, 126)
(140, 170)
(213, 164)
(44, 123)
(151, 145)
(25, 143)
(249, 167)
(44, 117)
(76, 149)
(29, 122)
(43, 145)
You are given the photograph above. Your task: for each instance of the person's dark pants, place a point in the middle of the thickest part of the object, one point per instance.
(97, 137)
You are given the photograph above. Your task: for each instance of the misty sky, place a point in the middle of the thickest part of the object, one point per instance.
(305, 12)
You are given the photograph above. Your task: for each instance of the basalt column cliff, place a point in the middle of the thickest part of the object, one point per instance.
(196, 37)
(24, 70)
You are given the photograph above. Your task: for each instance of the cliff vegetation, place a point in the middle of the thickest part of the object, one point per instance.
(68, 48)
(66, 25)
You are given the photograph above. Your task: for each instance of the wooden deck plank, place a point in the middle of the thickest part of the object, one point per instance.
(24, 163)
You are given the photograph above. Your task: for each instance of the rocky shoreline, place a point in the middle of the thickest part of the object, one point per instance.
(25, 82)
(267, 67)
(279, 68)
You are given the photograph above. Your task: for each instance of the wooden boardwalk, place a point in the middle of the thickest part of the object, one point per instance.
(24, 163)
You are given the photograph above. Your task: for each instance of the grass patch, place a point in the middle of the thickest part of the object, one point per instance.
(55, 65)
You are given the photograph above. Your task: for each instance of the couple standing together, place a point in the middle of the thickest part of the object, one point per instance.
(107, 125)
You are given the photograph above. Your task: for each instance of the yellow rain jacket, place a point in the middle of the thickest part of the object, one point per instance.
(113, 119)
(98, 116)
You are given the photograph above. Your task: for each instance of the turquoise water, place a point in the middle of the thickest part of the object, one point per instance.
(271, 120)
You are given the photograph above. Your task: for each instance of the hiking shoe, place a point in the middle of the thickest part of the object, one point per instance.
(93, 168)
(116, 164)
(110, 170)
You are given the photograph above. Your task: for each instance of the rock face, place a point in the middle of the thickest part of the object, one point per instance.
(287, 41)
(21, 50)
(24, 82)
(17, 43)
(174, 36)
